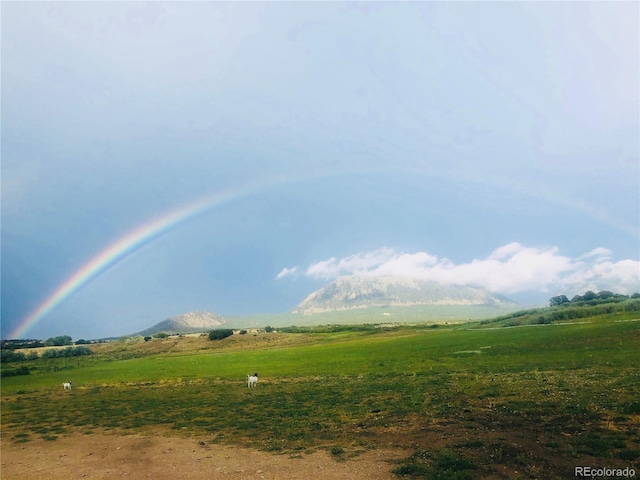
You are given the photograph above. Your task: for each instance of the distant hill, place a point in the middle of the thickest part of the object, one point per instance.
(191, 322)
(349, 292)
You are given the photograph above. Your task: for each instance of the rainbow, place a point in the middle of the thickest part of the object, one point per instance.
(131, 242)
(146, 233)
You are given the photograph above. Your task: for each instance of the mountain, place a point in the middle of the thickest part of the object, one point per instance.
(191, 322)
(346, 293)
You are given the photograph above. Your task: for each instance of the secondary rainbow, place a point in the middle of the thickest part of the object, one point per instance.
(129, 243)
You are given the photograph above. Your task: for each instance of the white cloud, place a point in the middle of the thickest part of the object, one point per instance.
(599, 253)
(514, 268)
(508, 269)
(357, 264)
(619, 277)
(287, 272)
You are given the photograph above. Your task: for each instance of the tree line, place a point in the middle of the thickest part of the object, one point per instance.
(58, 341)
(8, 356)
(591, 298)
(567, 310)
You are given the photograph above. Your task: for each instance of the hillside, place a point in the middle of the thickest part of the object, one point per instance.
(349, 292)
(190, 322)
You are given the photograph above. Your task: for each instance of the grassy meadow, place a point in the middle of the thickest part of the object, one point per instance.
(464, 401)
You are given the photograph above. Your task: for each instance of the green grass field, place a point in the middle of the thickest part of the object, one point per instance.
(464, 401)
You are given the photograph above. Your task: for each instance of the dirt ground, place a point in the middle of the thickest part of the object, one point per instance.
(108, 456)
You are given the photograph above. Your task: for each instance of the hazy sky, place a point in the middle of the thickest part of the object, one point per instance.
(487, 143)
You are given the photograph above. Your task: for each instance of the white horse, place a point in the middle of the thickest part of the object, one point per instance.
(252, 380)
(66, 385)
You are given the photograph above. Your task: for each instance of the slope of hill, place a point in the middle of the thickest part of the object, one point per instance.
(190, 322)
(346, 293)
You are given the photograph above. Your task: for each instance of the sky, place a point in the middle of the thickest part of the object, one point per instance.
(165, 157)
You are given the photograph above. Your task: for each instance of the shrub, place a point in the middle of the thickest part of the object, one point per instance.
(14, 372)
(337, 451)
(541, 320)
(220, 334)
(7, 356)
(67, 352)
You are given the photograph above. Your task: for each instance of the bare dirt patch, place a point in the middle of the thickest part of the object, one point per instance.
(106, 456)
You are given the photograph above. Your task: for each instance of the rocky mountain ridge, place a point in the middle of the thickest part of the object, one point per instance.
(350, 292)
(190, 322)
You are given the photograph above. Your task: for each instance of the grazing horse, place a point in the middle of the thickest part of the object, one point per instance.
(252, 380)
(66, 385)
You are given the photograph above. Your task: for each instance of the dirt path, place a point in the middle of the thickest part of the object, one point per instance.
(108, 456)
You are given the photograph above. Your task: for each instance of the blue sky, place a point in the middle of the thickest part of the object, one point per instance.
(487, 143)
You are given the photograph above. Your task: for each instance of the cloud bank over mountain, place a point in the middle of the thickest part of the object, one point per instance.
(511, 268)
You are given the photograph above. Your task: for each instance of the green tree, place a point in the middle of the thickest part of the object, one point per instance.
(558, 300)
(58, 341)
(220, 334)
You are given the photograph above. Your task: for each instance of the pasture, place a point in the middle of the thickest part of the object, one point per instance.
(459, 401)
